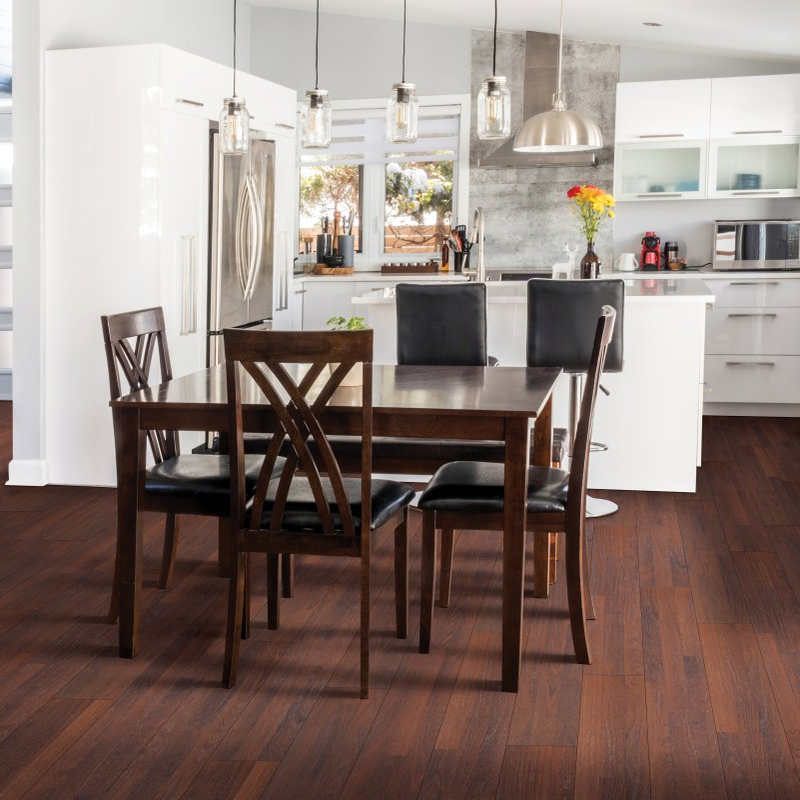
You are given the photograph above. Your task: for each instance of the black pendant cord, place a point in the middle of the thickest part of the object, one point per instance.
(405, 6)
(234, 48)
(316, 52)
(494, 42)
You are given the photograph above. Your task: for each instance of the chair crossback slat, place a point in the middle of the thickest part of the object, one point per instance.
(132, 339)
(583, 437)
(299, 405)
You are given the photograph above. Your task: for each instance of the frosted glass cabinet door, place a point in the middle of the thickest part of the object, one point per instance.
(674, 170)
(757, 167)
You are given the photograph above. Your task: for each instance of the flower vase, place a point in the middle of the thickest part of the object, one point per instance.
(590, 263)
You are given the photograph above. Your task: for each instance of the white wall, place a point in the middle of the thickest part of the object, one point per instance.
(359, 57)
(203, 27)
(649, 64)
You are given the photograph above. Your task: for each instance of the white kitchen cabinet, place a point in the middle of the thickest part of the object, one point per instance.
(757, 166)
(651, 111)
(125, 227)
(752, 342)
(759, 105)
(327, 299)
(660, 170)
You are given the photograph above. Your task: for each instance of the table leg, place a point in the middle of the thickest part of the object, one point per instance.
(517, 446)
(130, 442)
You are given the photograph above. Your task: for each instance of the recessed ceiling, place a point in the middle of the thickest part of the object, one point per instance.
(766, 29)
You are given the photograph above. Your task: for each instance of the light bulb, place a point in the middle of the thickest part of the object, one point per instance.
(494, 109)
(316, 119)
(234, 127)
(402, 113)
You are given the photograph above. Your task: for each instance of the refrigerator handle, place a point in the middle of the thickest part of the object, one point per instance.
(188, 285)
(255, 237)
(283, 281)
(241, 239)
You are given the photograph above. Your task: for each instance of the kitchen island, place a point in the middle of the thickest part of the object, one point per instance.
(652, 420)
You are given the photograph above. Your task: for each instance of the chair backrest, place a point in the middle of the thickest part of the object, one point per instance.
(132, 339)
(561, 319)
(291, 370)
(444, 324)
(579, 467)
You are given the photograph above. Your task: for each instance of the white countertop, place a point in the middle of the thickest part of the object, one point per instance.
(379, 277)
(689, 290)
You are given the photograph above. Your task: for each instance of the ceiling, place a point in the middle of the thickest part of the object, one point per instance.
(766, 29)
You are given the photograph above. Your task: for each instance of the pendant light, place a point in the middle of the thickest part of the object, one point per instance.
(559, 130)
(316, 113)
(494, 99)
(234, 119)
(402, 112)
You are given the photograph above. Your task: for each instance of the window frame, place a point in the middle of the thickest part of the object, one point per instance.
(373, 200)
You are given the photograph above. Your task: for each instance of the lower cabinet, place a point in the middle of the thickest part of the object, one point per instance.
(753, 340)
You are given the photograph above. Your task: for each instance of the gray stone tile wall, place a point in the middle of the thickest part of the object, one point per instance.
(528, 218)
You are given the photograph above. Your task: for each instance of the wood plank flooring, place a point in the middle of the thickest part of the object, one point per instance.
(694, 691)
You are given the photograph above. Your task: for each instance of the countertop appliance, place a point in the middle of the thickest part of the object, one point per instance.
(756, 244)
(241, 243)
(650, 260)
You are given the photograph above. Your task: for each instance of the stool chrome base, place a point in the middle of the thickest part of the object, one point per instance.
(596, 507)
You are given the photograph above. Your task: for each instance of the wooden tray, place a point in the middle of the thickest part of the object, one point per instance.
(410, 269)
(324, 269)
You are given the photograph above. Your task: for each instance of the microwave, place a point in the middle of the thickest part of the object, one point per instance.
(756, 244)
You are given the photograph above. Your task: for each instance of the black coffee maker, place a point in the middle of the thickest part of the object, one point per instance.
(670, 253)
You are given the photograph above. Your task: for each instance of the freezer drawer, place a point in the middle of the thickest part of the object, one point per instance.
(752, 379)
(753, 330)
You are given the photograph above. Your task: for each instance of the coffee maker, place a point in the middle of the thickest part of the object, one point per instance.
(670, 254)
(650, 260)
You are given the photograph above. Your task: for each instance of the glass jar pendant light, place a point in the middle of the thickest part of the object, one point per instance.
(402, 112)
(234, 119)
(494, 99)
(316, 114)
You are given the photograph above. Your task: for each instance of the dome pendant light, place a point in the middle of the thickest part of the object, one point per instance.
(402, 112)
(559, 130)
(316, 114)
(234, 119)
(494, 99)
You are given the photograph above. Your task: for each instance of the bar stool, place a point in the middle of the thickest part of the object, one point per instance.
(561, 319)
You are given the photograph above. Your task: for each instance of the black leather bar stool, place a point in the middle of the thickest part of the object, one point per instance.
(561, 318)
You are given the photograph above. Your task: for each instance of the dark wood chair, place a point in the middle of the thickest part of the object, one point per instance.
(469, 495)
(177, 483)
(316, 510)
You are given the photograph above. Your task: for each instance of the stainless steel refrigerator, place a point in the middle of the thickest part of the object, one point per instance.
(241, 243)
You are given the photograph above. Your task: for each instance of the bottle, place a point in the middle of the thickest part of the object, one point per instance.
(445, 257)
(590, 263)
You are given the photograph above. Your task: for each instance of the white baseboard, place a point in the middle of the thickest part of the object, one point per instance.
(751, 410)
(27, 472)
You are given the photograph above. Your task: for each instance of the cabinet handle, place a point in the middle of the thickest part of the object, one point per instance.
(754, 283)
(196, 103)
(301, 291)
(751, 133)
(661, 194)
(759, 191)
(188, 286)
(749, 363)
(754, 314)
(660, 135)
(284, 125)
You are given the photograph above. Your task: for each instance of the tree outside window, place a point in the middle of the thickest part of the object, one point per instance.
(324, 191)
(419, 206)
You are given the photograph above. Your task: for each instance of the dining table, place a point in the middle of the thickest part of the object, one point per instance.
(508, 404)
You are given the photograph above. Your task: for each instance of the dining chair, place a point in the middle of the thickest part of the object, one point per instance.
(470, 495)
(177, 483)
(315, 511)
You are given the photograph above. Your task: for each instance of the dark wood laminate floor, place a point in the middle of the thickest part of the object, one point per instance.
(694, 692)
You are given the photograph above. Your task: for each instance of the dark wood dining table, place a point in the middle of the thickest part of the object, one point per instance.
(473, 403)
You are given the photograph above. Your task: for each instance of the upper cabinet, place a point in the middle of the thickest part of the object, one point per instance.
(762, 105)
(658, 111)
(720, 137)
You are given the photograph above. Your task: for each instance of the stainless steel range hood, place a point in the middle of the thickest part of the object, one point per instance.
(541, 76)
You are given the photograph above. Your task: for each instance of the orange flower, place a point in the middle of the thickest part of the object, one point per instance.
(591, 204)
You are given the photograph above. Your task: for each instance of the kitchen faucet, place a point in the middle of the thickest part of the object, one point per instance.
(476, 237)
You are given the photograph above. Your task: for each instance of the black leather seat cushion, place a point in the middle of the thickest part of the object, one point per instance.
(204, 479)
(474, 486)
(301, 512)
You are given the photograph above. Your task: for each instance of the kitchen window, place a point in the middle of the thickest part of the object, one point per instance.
(402, 199)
